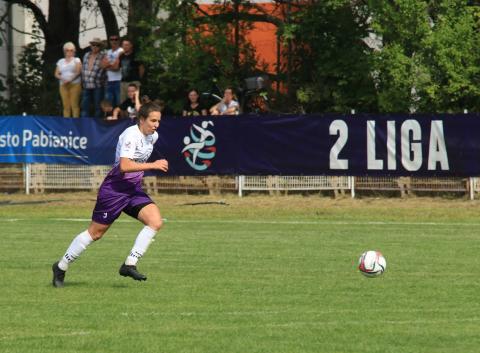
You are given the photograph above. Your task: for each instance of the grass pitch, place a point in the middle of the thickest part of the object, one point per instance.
(261, 274)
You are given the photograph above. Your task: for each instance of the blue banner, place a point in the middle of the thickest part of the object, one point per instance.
(423, 145)
(38, 139)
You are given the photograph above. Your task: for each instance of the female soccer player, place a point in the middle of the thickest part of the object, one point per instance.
(122, 191)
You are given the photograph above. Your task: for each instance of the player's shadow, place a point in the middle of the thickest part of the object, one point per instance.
(120, 285)
(74, 284)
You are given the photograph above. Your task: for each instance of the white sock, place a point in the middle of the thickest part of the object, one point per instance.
(78, 245)
(144, 238)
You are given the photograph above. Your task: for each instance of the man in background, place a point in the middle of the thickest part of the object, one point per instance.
(111, 63)
(93, 79)
(132, 69)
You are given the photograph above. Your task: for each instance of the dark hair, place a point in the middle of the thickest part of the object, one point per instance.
(148, 108)
(133, 85)
(126, 39)
(190, 91)
(106, 103)
(231, 90)
(160, 103)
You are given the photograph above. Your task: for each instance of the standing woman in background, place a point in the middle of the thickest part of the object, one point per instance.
(68, 73)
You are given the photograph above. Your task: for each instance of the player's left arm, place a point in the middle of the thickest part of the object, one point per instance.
(127, 165)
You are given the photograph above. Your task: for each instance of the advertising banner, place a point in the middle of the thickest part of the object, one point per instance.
(422, 145)
(38, 139)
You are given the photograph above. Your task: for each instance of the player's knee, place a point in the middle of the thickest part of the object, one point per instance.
(96, 232)
(96, 235)
(156, 224)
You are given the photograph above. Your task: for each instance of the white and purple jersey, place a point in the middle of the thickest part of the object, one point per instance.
(123, 191)
(134, 145)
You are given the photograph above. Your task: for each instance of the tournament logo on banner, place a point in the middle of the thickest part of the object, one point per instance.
(199, 147)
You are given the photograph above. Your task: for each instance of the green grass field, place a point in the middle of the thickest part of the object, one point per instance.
(261, 274)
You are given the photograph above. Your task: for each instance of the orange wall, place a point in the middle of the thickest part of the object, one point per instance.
(262, 36)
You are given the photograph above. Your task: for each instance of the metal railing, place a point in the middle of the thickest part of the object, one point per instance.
(38, 178)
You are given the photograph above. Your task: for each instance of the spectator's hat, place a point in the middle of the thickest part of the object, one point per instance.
(96, 40)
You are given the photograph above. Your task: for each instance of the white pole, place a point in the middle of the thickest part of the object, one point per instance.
(27, 170)
(471, 180)
(240, 185)
(351, 181)
(472, 188)
(352, 178)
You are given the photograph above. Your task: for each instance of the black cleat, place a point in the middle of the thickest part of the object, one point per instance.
(58, 276)
(131, 271)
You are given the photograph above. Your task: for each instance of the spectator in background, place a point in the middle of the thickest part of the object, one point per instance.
(227, 106)
(93, 79)
(68, 72)
(106, 108)
(193, 107)
(111, 63)
(132, 69)
(129, 106)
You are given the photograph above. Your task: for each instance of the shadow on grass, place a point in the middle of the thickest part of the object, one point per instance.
(78, 284)
(73, 284)
(120, 285)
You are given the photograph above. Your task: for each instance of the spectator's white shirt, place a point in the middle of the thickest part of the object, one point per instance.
(222, 107)
(133, 144)
(112, 56)
(67, 69)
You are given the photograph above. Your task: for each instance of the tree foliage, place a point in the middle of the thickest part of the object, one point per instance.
(331, 61)
(28, 91)
(429, 61)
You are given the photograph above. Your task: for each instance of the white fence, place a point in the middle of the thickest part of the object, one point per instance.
(38, 178)
(277, 183)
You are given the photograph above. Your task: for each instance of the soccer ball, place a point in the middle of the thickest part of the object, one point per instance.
(372, 263)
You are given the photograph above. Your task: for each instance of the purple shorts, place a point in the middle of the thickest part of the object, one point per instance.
(113, 198)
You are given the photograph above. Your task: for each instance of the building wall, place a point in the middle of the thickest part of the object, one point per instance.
(262, 36)
(22, 23)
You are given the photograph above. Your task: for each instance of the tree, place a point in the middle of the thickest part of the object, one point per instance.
(330, 60)
(139, 13)
(28, 91)
(63, 23)
(429, 60)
